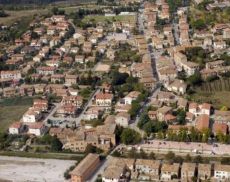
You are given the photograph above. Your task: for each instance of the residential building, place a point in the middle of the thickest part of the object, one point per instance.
(122, 119)
(204, 171)
(188, 171)
(104, 99)
(169, 171)
(16, 128)
(37, 129)
(222, 172)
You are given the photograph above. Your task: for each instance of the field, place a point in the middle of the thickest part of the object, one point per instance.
(31, 169)
(217, 99)
(11, 110)
(109, 18)
(18, 15)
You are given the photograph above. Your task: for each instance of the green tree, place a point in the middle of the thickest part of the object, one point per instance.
(130, 136)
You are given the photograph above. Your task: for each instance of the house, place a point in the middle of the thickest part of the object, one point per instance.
(202, 122)
(219, 128)
(67, 109)
(148, 168)
(102, 137)
(57, 78)
(222, 172)
(152, 115)
(178, 86)
(40, 104)
(10, 75)
(46, 70)
(182, 103)
(131, 97)
(73, 100)
(26, 90)
(37, 129)
(122, 119)
(70, 80)
(162, 112)
(32, 115)
(9, 92)
(188, 171)
(39, 88)
(169, 171)
(87, 47)
(103, 99)
(204, 171)
(16, 128)
(80, 59)
(222, 116)
(197, 110)
(115, 172)
(85, 168)
(92, 113)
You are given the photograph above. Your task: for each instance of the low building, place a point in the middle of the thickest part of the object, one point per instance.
(170, 172)
(188, 171)
(204, 171)
(37, 129)
(148, 169)
(16, 128)
(85, 168)
(222, 172)
(104, 99)
(122, 119)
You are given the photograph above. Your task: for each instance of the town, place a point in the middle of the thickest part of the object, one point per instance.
(137, 90)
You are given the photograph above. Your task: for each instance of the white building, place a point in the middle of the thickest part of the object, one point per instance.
(31, 116)
(122, 119)
(222, 172)
(37, 129)
(16, 128)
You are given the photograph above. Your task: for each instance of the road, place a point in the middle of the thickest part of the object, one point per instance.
(154, 55)
(71, 119)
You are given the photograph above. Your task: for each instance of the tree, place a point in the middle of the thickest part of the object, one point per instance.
(152, 156)
(198, 159)
(56, 145)
(188, 158)
(170, 156)
(130, 137)
(143, 154)
(195, 79)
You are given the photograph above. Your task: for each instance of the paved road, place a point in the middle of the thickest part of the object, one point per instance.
(71, 119)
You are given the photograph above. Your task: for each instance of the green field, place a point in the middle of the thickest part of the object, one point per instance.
(12, 109)
(217, 99)
(102, 18)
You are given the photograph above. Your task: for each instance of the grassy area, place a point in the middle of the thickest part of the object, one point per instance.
(18, 15)
(218, 99)
(12, 109)
(63, 156)
(102, 18)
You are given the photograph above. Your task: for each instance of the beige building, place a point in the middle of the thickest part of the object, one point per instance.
(188, 171)
(204, 171)
(85, 168)
(170, 171)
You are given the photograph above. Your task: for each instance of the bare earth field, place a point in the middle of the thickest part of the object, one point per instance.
(18, 169)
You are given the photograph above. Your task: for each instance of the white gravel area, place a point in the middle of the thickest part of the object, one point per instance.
(20, 169)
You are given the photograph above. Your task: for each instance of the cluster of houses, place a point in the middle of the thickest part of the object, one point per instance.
(124, 169)
(31, 121)
(201, 116)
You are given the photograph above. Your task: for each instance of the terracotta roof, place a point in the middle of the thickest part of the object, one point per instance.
(85, 164)
(16, 125)
(202, 122)
(220, 127)
(104, 96)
